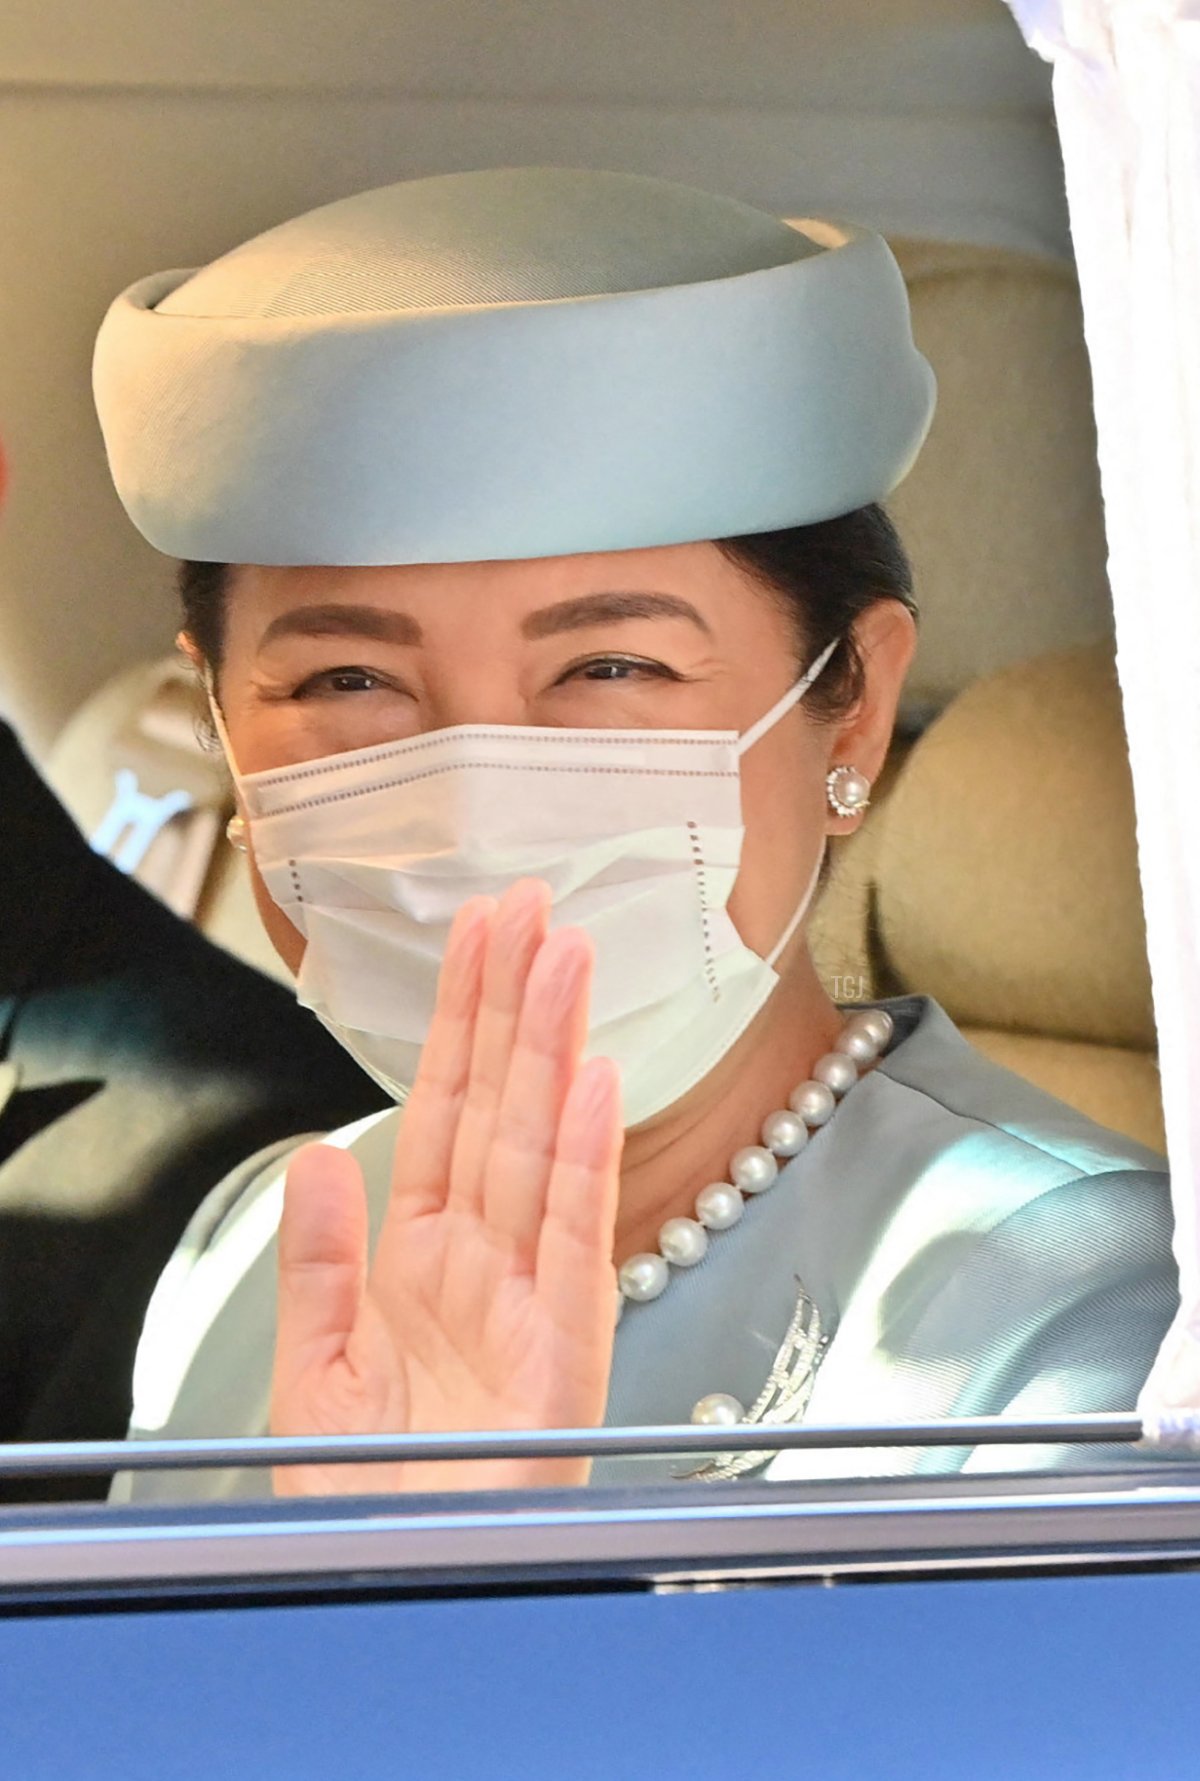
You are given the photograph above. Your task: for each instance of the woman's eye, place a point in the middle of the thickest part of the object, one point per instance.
(619, 668)
(339, 680)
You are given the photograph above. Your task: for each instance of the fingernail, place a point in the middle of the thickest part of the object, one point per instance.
(526, 894)
(523, 913)
(471, 921)
(600, 1086)
(563, 963)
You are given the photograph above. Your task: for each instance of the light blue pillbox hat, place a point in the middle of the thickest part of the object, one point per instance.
(526, 362)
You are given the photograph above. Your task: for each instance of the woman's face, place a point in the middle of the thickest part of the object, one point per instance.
(321, 660)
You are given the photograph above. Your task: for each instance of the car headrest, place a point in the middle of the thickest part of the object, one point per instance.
(1023, 781)
(1001, 514)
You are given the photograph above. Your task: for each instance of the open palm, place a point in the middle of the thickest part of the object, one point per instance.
(489, 1302)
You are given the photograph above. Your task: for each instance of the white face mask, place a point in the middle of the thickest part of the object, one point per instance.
(638, 833)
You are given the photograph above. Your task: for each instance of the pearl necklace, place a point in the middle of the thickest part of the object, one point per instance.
(682, 1242)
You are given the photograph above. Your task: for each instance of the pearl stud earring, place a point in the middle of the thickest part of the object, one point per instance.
(235, 833)
(848, 790)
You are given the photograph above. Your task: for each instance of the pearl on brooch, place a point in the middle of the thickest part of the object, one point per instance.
(784, 1133)
(754, 1169)
(643, 1276)
(718, 1206)
(719, 1407)
(683, 1242)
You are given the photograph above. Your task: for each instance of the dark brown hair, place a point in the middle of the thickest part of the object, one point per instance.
(827, 575)
(824, 575)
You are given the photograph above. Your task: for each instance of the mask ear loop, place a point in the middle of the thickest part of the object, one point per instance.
(218, 718)
(746, 741)
(235, 828)
(782, 706)
(802, 910)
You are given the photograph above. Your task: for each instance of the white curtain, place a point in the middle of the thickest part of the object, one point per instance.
(1127, 99)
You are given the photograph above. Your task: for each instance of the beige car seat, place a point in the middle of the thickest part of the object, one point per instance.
(1001, 514)
(999, 875)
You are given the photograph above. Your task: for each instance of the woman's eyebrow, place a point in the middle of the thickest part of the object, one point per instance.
(599, 609)
(380, 623)
(384, 625)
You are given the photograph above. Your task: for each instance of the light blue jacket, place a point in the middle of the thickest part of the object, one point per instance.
(972, 1246)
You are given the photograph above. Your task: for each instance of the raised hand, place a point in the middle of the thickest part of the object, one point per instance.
(489, 1302)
